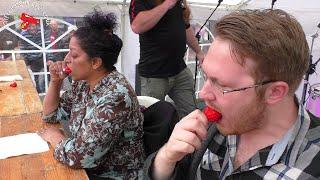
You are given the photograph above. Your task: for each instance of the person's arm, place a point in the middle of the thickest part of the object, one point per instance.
(52, 98)
(162, 166)
(100, 130)
(186, 137)
(146, 20)
(193, 44)
(179, 171)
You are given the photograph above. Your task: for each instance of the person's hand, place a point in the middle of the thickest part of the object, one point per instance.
(49, 62)
(52, 135)
(186, 137)
(56, 71)
(200, 57)
(170, 3)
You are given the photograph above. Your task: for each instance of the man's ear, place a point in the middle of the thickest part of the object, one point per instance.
(96, 63)
(276, 92)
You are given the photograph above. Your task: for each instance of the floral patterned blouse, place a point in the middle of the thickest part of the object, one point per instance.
(106, 128)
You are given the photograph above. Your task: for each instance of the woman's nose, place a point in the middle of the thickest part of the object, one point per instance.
(67, 58)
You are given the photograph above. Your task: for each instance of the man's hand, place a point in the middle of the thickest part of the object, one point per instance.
(200, 57)
(52, 135)
(145, 20)
(187, 136)
(170, 3)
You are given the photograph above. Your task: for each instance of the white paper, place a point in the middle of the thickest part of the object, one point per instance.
(29, 143)
(11, 78)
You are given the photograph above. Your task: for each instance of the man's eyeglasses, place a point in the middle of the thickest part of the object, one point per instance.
(223, 91)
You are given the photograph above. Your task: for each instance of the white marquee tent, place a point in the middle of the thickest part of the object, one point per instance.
(307, 12)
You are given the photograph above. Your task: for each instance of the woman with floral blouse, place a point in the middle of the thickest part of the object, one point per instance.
(101, 109)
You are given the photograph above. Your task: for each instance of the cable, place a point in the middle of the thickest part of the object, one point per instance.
(198, 38)
(272, 3)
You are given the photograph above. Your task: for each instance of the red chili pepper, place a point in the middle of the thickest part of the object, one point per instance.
(211, 114)
(13, 84)
(67, 70)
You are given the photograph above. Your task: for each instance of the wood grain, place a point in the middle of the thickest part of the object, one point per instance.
(33, 166)
(22, 99)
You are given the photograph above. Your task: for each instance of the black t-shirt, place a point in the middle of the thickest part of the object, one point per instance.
(162, 48)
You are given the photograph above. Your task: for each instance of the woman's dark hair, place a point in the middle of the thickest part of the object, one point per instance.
(96, 38)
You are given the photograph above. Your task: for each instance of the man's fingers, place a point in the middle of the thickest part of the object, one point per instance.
(189, 138)
(178, 148)
(198, 115)
(195, 122)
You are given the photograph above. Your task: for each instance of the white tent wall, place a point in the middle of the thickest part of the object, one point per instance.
(131, 50)
(67, 8)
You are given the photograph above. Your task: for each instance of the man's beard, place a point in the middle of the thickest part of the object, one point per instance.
(248, 118)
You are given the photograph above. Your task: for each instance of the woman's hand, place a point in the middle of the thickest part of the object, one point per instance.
(56, 71)
(52, 135)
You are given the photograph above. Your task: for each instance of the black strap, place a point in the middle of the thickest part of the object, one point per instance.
(197, 156)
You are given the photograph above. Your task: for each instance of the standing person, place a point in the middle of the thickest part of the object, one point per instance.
(8, 41)
(253, 68)
(164, 29)
(34, 61)
(51, 34)
(102, 109)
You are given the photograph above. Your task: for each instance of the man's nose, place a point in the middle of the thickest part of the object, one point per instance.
(206, 93)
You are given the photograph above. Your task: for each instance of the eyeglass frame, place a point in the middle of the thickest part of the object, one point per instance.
(236, 89)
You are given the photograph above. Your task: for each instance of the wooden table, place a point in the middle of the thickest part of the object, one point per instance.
(23, 115)
(22, 99)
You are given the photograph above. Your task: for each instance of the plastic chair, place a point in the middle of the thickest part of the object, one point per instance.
(147, 101)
